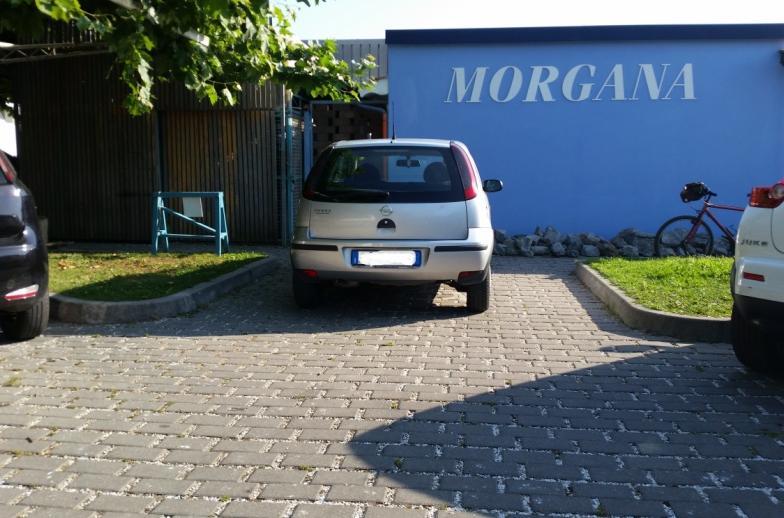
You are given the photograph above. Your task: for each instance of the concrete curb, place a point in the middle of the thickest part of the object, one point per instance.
(78, 311)
(699, 329)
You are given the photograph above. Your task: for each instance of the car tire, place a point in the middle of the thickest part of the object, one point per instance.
(306, 294)
(478, 295)
(752, 346)
(29, 323)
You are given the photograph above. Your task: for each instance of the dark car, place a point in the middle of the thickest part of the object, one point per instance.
(24, 267)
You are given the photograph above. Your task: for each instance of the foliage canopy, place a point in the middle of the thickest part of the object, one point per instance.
(212, 46)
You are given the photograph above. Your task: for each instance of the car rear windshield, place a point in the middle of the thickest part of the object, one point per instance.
(389, 174)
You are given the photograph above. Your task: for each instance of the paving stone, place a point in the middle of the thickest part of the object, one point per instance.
(100, 482)
(713, 510)
(35, 462)
(288, 476)
(331, 478)
(119, 503)
(154, 471)
(159, 486)
(324, 511)
(59, 513)
(181, 507)
(34, 477)
(132, 453)
(249, 459)
(54, 498)
(419, 497)
(631, 507)
(8, 494)
(191, 457)
(291, 492)
(96, 466)
(227, 489)
(382, 512)
(558, 504)
(508, 502)
(256, 509)
(356, 494)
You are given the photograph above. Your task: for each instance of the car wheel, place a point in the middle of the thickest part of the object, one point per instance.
(479, 295)
(752, 345)
(29, 323)
(306, 294)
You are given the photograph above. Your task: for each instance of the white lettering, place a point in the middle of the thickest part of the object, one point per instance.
(538, 84)
(578, 84)
(514, 87)
(685, 80)
(616, 75)
(585, 88)
(654, 85)
(460, 86)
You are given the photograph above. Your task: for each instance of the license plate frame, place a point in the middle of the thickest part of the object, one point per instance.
(373, 258)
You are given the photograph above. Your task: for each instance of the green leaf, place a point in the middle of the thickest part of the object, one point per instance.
(211, 93)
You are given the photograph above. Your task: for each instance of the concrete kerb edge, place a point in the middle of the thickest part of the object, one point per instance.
(78, 311)
(700, 329)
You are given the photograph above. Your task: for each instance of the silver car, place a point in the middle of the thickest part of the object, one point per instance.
(400, 211)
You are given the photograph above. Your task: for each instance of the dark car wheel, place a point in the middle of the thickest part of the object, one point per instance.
(306, 294)
(27, 324)
(752, 345)
(479, 295)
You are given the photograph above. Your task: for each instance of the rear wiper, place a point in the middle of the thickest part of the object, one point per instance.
(322, 196)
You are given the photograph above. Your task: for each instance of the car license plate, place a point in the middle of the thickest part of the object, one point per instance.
(400, 258)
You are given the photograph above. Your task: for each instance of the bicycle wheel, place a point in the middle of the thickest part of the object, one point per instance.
(672, 239)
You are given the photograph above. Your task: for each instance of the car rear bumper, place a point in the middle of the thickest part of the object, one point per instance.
(22, 266)
(440, 260)
(747, 270)
(753, 308)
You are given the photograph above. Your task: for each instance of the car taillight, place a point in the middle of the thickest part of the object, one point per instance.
(767, 197)
(6, 168)
(22, 293)
(754, 276)
(467, 173)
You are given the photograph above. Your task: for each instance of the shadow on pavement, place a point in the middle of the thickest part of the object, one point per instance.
(681, 431)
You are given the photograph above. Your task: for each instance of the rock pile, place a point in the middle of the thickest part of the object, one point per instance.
(629, 242)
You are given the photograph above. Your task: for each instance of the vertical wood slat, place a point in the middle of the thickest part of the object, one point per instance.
(93, 167)
(82, 156)
(223, 159)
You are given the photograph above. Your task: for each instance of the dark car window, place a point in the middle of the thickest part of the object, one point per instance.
(392, 174)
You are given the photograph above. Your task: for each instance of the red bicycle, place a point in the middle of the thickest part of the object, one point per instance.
(691, 235)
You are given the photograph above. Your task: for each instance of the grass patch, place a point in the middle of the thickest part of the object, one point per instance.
(684, 285)
(136, 276)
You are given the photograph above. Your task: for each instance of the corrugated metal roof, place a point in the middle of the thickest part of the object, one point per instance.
(357, 49)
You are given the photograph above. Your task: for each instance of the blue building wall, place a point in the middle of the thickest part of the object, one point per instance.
(599, 164)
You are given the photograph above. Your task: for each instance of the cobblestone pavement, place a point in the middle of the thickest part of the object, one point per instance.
(387, 403)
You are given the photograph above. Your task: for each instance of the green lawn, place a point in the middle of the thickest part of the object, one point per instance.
(136, 276)
(684, 285)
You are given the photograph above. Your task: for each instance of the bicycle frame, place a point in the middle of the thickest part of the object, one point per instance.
(706, 209)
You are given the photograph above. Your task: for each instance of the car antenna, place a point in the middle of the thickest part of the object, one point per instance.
(393, 121)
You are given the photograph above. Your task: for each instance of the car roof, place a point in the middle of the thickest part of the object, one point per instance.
(424, 142)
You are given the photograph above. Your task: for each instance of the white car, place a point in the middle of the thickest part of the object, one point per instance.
(758, 282)
(394, 211)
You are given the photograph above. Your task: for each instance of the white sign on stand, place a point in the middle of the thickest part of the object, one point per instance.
(192, 207)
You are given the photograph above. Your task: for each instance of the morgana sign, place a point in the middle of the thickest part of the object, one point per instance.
(579, 83)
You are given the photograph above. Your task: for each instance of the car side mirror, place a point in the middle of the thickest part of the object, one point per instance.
(492, 185)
